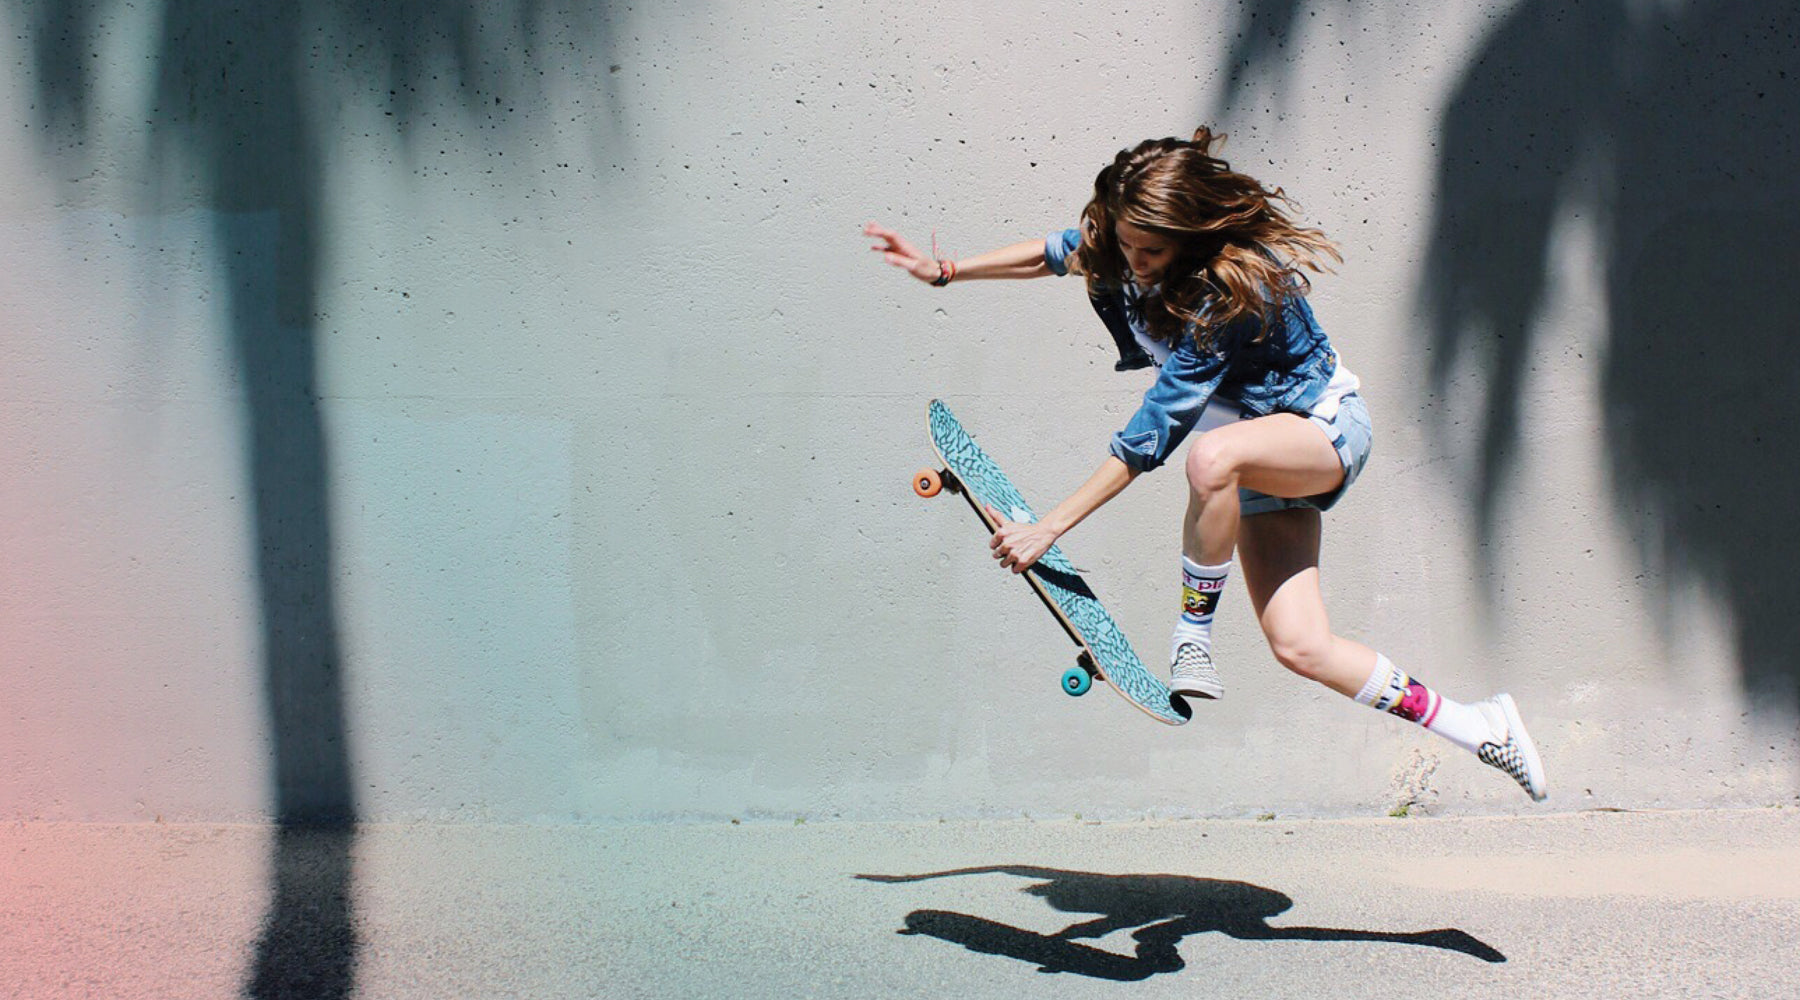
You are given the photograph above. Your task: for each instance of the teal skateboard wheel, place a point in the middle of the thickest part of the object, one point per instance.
(1076, 681)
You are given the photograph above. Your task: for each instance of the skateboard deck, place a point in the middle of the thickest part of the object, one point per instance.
(1104, 652)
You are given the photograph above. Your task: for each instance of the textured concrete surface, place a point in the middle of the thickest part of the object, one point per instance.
(487, 410)
(1590, 905)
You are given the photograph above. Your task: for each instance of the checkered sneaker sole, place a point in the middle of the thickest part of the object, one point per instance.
(1517, 755)
(1193, 673)
(1507, 758)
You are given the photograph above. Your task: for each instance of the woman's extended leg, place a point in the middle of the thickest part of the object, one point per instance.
(1279, 552)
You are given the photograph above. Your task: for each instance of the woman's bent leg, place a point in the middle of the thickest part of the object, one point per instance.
(1283, 453)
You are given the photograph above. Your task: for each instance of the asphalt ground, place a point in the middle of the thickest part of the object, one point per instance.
(1667, 904)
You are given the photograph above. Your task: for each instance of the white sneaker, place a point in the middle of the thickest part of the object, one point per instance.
(1512, 750)
(1192, 672)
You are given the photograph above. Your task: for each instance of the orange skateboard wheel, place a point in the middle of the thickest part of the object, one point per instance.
(928, 483)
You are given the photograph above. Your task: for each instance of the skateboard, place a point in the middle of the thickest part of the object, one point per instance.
(1103, 652)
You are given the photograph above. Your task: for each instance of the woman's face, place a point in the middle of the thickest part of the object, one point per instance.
(1147, 254)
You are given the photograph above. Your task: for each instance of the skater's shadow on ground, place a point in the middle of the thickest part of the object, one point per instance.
(1164, 909)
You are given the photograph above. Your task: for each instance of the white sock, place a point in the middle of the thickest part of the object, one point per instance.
(1390, 689)
(1200, 589)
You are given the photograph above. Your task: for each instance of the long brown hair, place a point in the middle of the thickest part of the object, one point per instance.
(1237, 253)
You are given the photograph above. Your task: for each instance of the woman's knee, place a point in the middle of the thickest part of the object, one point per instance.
(1305, 651)
(1212, 465)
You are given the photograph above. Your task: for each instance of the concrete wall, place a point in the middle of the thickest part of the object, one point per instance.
(489, 411)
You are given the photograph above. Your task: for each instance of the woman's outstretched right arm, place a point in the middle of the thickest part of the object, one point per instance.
(1020, 260)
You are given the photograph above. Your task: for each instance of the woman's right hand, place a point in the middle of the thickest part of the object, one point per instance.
(898, 252)
(1020, 544)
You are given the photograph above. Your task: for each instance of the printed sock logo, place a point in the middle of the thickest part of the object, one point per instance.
(1420, 704)
(1199, 604)
(1394, 692)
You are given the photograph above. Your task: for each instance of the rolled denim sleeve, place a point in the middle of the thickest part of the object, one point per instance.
(1171, 406)
(1057, 248)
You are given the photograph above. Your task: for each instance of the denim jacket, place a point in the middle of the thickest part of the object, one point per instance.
(1287, 371)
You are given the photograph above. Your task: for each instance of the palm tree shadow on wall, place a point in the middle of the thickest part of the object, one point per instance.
(242, 102)
(1673, 127)
(1164, 909)
(1669, 131)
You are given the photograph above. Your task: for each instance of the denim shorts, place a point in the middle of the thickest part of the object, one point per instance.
(1345, 425)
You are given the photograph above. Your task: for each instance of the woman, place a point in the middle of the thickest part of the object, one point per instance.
(1196, 268)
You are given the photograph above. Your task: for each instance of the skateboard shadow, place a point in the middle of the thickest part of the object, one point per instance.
(1164, 909)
